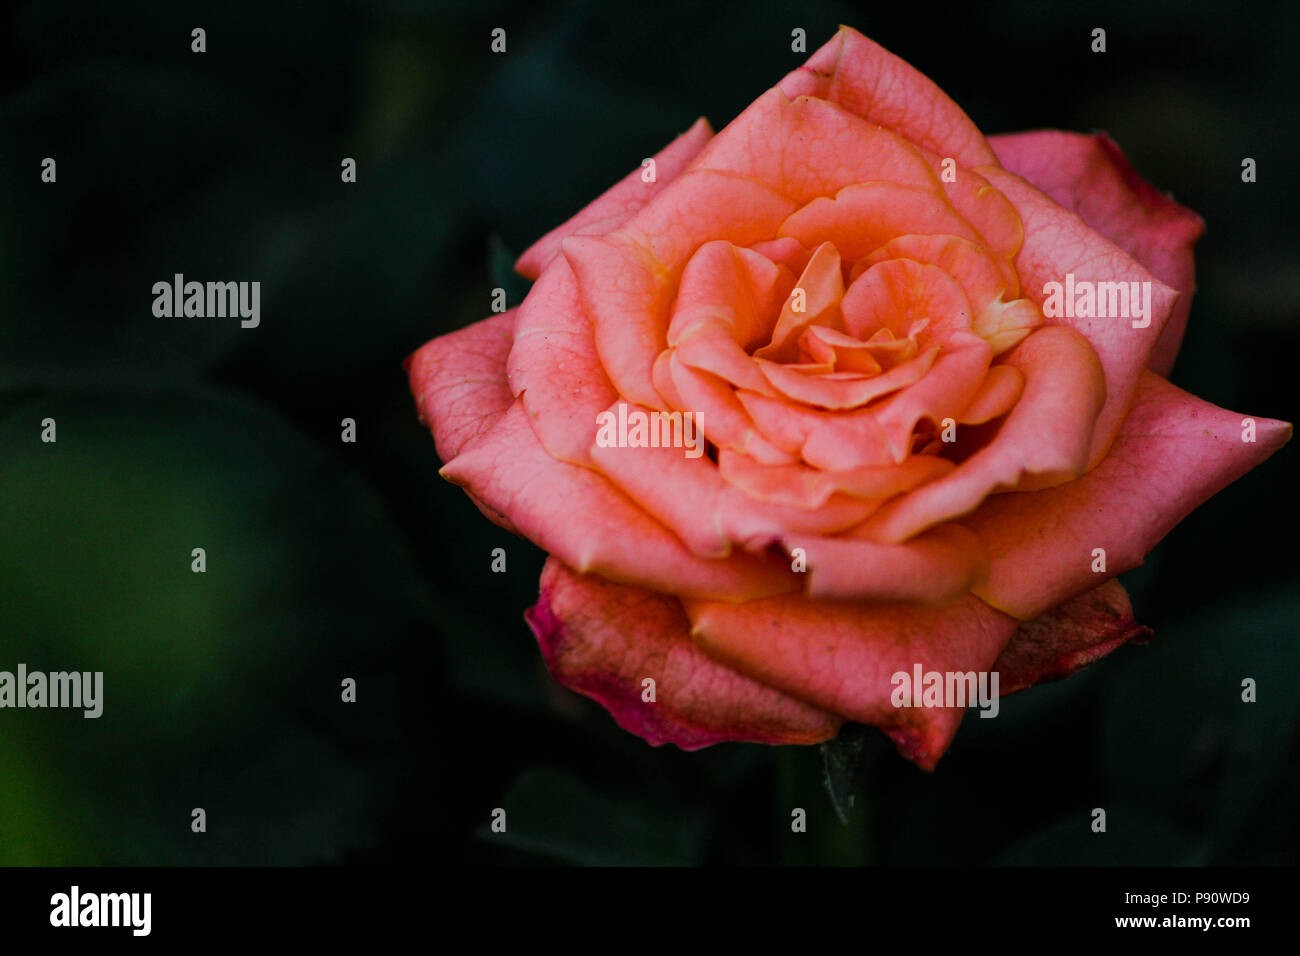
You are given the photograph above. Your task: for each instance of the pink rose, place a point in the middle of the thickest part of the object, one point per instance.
(845, 391)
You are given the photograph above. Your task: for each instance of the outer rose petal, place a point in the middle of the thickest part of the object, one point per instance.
(868, 80)
(578, 516)
(603, 639)
(1058, 242)
(459, 381)
(620, 202)
(1090, 176)
(553, 366)
(1173, 452)
(840, 655)
(1068, 638)
(459, 384)
(770, 141)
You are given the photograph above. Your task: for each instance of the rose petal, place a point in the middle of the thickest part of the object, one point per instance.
(964, 260)
(933, 568)
(1057, 242)
(1173, 452)
(784, 252)
(943, 393)
(725, 305)
(1089, 175)
(680, 491)
(840, 656)
(576, 515)
(626, 279)
(835, 441)
(990, 213)
(772, 142)
(603, 640)
(862, 218)
(1004, 325)
(1068, 638)
(459, 382)
(845, 390)
(811, 488)
(692, 498)
(868, 80)
(845, 353)
(1047, 434)
(1000, 390)
(739, 285)
(719, 412)
(710, 347)
(820, 288)
(899, 292)
(554, 367)
(620, 202)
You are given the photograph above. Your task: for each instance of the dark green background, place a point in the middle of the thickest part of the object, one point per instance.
(328, 560)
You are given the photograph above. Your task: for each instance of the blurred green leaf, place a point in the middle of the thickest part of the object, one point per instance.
(221, 689)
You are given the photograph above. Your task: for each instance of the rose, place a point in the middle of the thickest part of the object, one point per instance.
(911, 466)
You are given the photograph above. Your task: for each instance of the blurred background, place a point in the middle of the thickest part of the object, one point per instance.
(328, 560)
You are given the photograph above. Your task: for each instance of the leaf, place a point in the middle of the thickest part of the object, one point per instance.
(220, 689)
(844, 762)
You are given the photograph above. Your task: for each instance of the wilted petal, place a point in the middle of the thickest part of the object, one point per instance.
(841, 656)
(605, 640)
(1068, 638)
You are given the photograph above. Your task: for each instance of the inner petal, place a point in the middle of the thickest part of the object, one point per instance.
(815, 299)
(862, 218)
(841, 390)
(842, 352)
(895, 294)
(729, 286)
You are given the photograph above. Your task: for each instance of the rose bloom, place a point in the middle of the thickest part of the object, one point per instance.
(914, 457)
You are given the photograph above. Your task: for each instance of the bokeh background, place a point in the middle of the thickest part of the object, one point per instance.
(329, 560)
